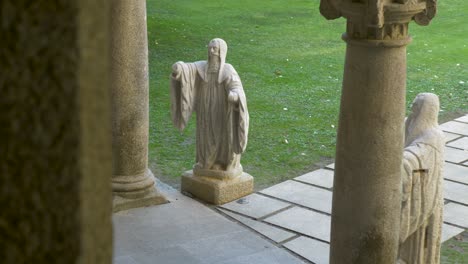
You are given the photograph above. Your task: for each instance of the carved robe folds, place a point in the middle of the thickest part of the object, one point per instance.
(214, 91)
(422, 182)
(222, 127)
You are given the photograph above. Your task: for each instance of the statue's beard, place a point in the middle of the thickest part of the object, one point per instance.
(213, 64)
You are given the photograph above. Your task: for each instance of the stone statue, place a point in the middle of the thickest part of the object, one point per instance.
(213, 90)
(422, 203)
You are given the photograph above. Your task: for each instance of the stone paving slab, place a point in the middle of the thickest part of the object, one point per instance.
(270, 256)
(455, 155)
(461, 143)
(256, 206)
(303, 221)
(172, 255)
(276, 234)
(124, 260)
(455, 127)
(463, 119)
(302, 194)
(449, 231)
(451, 136)
(311, 249)
(170, 235)
(456, 214)
(321, 177)
(456, 172)
(186, 231)
(225, 247)
(456, 192)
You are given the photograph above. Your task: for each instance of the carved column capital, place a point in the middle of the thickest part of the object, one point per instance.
(379, 19)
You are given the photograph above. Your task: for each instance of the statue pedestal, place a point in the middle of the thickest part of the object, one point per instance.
(217, 191)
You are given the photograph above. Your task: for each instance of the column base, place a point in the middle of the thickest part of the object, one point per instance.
(217, 191)
(152, 198)
(135, 191)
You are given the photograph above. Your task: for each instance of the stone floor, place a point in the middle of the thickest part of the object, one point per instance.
(287, 223)
(186, 231)
(295, 214)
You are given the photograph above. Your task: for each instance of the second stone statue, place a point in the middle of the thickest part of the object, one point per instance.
(213, 90)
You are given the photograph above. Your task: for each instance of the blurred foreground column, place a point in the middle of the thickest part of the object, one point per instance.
(366, 195)
(55, 156)
(133, 184)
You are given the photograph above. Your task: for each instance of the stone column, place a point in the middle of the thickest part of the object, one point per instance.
(367, 195)
(133, 184)
(56, 156)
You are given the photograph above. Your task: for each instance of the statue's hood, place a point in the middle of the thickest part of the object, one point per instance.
(202, 66)
(423, 117)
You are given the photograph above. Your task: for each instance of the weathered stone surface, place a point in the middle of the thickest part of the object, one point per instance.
(455, 172)
(461, 143)
(449, 231)
(463, 119)
(456, 214)
(455, 127)
(56, 156)
(171, 225)
(256, 206)
(170, 255)
(186, 231)
(369, 144)
(302, 194)
(276, 234)
(217, 191)
(213, 249)
(422, 190)
(213, 90)
(450, 136)
(331, 166)
(132, 181)
(321, 177)
(303, 221)
(152, 198)
(269, 256)
(456, 192)
(124, 260)
(379, 19)
(311, 249)
(370, 135)
(455, 155)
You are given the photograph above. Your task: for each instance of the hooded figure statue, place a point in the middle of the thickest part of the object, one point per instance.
(422, 186)
(213, 90)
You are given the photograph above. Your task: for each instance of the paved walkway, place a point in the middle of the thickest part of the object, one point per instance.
(288, 223)
(185, 231)
(295, 214)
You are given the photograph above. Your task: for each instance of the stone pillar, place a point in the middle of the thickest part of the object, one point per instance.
(367, 185)
(133, 184)
(56, 156)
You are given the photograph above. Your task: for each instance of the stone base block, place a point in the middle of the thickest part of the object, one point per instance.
(217, 191)
(152, 198)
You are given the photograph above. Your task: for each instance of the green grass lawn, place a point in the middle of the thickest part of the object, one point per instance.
(290, 60)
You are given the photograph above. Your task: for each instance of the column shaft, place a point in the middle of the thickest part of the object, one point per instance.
(366, 195)
(367, 185)
(130, 92)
